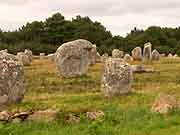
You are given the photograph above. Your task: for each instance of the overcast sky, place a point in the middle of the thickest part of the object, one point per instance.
(118, 16)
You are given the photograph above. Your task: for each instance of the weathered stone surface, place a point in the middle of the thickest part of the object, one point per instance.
(104, 57)
(42, 55)
(95, 115)
(5, 116)
(147, 52)
(137, 53)
(170, 55)
(175, 56)
(117, 77)
(51, 57)
(116, 53)
(73, 58)
(7, 56)
(72, 119)
(12, 82)
(155, 55)
(46, 115)
(98, 58)
(5, 50)
(29, 54)
(23, 58)
(128, 58)
(93, 55)
(165, 104)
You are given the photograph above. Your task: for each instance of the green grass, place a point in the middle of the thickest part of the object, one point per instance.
(125, 115)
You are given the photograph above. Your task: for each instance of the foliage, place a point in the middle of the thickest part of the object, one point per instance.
(46, 36)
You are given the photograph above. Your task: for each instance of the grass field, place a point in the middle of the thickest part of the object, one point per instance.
(126, 115)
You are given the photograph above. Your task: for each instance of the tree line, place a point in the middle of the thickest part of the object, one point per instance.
(46, 36)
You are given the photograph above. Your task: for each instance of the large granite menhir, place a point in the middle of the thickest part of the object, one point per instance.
(73, 58)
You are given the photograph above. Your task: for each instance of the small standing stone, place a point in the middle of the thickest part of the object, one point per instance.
(116, 53)
(5, 116)
(104, 57)
(23, 58)
(128, 58)
(29, 54)
(175, 56)
(51, 57)
(155, 55)
(170, 55)
(42, 55)
(98, 58)
(93, 55)
(117, 77)
(147, 52)
(95, 115)
(137, 53)
(72, 119)
(5, 50)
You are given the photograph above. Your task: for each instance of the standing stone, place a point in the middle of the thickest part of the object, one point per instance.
(42, 56)
(95, 115)
(5, 116)
(7, 56)
(93, 55)
(155, 55)
(163, 55)
(104, 57)
(5, 50)
(51, 57)
(116, 53)
(98, 58)
(23, 58)
(170, 55)
(128, 58)
(12, 83)
(117, 77)
(73, 58)
(175, 56)
(137, 53)
(29, 54)
(147, 52)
